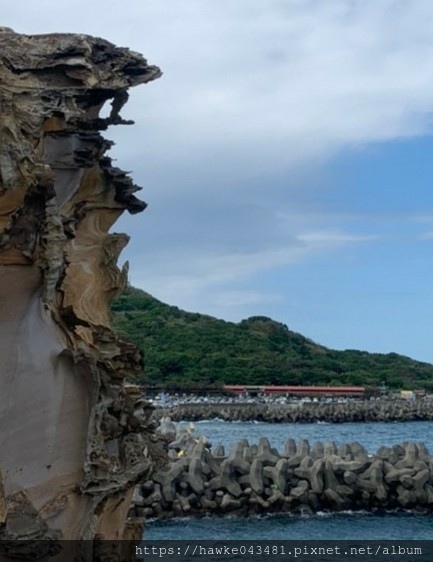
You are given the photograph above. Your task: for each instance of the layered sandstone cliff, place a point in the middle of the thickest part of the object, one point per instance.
(72, 439)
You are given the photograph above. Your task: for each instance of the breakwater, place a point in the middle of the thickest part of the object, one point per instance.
(304, 478)
(306, 412)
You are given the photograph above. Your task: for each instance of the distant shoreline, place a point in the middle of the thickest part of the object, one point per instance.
(381, 410)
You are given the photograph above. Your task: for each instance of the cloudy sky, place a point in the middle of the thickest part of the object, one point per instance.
(286, 157)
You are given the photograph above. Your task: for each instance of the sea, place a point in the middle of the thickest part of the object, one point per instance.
(404, 525)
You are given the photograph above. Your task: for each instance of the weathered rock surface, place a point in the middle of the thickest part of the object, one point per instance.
(303, 479)
(73, 439)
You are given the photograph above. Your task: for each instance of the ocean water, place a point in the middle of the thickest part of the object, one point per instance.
(323, 526)
(341, 526)
(370, 434)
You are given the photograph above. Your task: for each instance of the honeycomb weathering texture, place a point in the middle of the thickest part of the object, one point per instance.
(73, 438)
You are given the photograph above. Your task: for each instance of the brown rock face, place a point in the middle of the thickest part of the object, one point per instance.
(72, 438)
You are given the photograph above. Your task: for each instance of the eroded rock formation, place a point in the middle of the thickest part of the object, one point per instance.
(72, 438)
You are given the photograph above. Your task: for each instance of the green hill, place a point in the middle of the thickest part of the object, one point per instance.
(183, 349)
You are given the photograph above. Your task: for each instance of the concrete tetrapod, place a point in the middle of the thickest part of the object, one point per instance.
(257, 479)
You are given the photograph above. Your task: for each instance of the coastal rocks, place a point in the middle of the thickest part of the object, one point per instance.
(305, 478)
(74, 439)
(383, 410)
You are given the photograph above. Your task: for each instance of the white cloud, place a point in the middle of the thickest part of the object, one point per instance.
(285, 82)
(254, 86)
(280, 81)
(332, 239)
(256, 97)
(426, 235)
(166, 276)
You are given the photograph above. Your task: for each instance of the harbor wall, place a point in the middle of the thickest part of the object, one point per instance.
(304, 478)
(382, 410)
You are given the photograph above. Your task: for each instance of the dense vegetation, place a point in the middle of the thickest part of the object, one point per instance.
(183, 349)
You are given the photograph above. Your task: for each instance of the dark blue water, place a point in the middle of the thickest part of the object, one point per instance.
(342, 526)
(370, 434)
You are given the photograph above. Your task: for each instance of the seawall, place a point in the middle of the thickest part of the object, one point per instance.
(333, 412)
(304, 478)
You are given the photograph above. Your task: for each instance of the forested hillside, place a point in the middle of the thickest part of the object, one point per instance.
(184, 349)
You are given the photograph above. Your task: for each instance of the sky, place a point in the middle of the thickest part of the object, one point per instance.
(285, 155)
